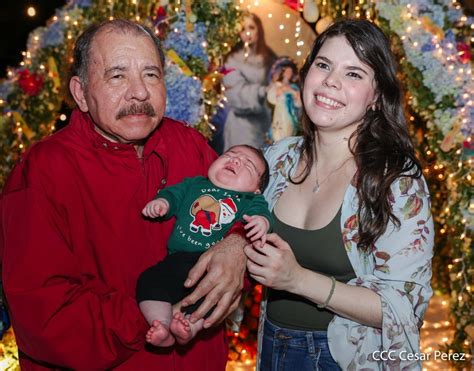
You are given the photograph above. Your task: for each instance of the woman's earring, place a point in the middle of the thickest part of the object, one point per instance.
(374, 107)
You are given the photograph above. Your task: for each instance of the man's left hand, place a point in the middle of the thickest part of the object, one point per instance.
(222, 286)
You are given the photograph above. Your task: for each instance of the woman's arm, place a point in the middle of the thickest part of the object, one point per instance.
(274, 265)
(400, 274)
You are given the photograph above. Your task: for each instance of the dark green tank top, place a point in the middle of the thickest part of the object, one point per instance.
(320, 250)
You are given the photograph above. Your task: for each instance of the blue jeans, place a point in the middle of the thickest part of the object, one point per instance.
(295, 350)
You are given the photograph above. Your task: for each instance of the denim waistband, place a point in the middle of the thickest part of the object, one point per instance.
(292, 335)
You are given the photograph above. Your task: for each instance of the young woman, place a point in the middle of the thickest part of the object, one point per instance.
(247, 66)
(349, 265)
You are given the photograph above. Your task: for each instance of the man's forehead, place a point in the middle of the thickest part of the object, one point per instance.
(111, 44)
(108, 37)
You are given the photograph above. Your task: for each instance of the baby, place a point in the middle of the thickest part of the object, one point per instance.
(205, 210)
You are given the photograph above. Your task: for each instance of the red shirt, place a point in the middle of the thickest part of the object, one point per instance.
(73, 243)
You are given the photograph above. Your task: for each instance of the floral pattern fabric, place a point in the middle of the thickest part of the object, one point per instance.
(398, 269)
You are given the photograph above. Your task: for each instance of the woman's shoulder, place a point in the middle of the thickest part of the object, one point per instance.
(283, 154)
(409, 180)
(286, 145)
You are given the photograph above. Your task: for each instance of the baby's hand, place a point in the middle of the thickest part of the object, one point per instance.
(156, 208)
(258, 227)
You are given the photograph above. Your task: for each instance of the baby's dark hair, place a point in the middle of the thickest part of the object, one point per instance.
(265, 178)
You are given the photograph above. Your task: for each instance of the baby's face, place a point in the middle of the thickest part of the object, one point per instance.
(239, 169)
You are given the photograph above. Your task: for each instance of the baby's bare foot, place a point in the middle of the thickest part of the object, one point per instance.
(181, 328)
(159, 335)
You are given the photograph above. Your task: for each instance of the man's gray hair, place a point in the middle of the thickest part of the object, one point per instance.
(83, 44)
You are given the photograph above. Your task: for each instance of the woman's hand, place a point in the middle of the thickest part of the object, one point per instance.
(274, 264)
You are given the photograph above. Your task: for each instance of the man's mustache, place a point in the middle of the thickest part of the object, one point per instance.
(136, 109)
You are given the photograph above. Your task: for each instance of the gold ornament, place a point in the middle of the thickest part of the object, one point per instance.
(323, 23)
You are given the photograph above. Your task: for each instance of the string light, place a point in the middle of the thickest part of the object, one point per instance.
(31, 11)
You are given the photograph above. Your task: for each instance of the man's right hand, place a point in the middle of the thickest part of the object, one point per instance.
(225, 265)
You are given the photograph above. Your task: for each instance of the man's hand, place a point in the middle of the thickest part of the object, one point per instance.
(156, 208)
(222, 286)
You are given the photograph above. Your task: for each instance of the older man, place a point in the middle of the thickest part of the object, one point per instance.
(72, 237)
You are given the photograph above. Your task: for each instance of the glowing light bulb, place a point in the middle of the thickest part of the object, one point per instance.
(31, 11)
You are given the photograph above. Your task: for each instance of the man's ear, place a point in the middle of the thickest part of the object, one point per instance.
(78, 93)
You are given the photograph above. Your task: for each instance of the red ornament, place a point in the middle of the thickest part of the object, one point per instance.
(257, 296)
(255, 310)
(161, 13)
(464, 54)
(253, 323)
(30, 83)
(248, 301)
(293, 4)
(244, 332)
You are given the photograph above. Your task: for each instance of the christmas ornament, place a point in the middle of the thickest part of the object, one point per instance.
(310, 11)
(323, 23)
(464, 54)
(30, 83)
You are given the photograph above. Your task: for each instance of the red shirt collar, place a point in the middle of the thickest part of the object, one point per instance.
(155, 143)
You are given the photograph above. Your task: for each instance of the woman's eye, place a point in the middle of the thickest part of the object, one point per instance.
(354, 75)
(322, 66)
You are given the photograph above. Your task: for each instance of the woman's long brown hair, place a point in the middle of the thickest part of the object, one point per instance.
(382, 147)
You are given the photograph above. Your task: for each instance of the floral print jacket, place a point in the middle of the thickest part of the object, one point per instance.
(398, 269)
